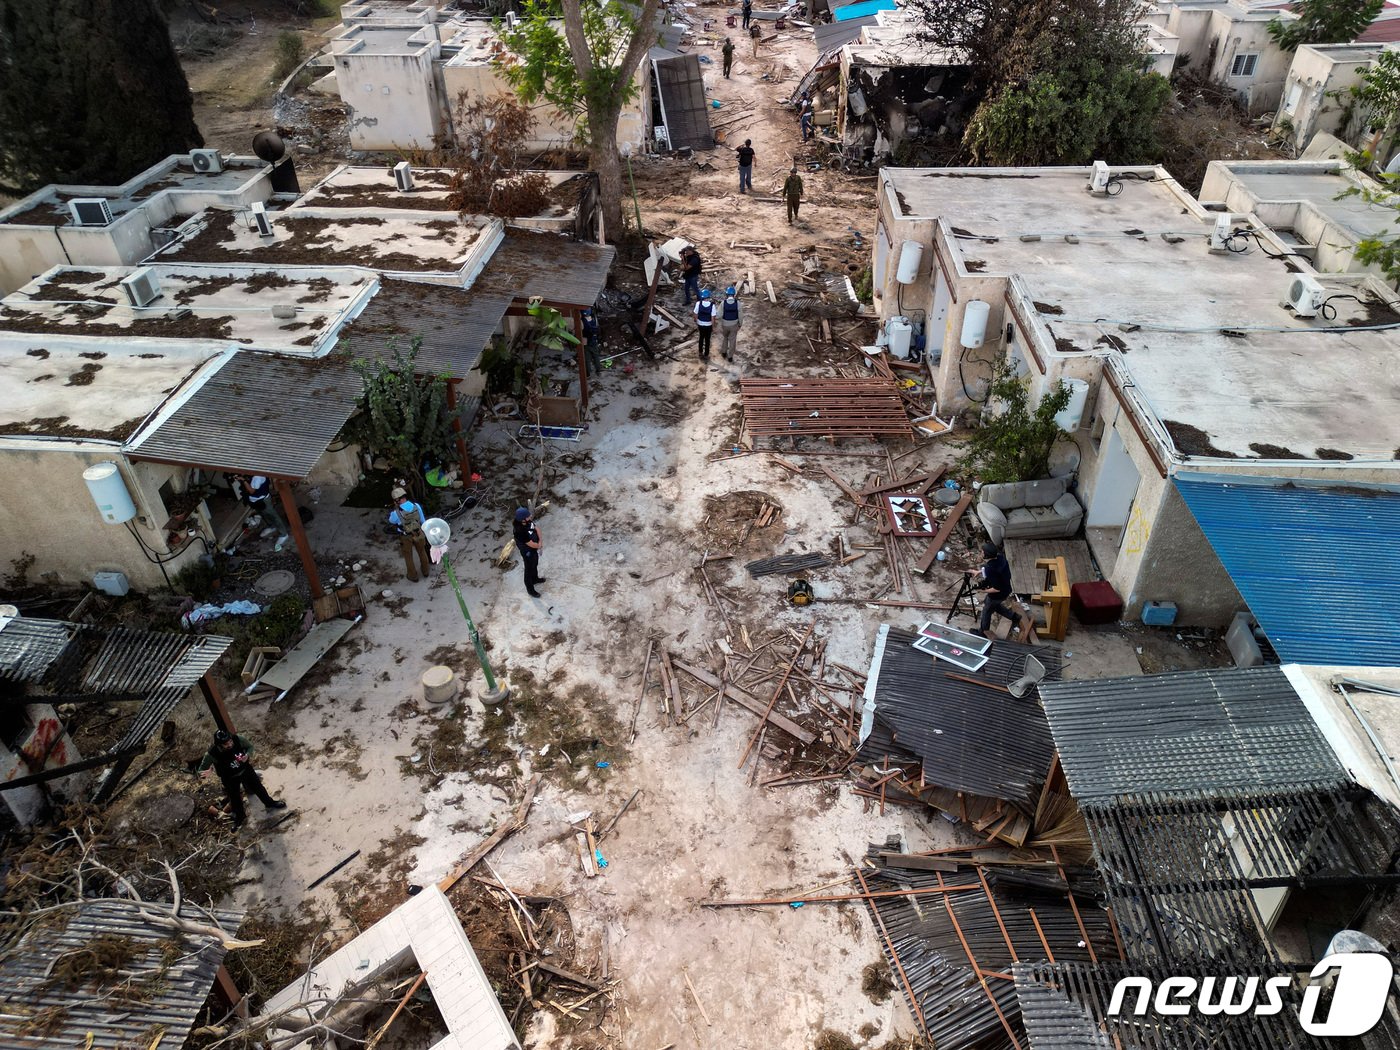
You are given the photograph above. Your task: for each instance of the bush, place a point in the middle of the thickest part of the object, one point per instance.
(290, 51)
(276, 625)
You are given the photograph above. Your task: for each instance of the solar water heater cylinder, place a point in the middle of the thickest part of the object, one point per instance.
(104, 482)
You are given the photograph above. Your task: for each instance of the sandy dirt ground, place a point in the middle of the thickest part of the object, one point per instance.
(368, 766)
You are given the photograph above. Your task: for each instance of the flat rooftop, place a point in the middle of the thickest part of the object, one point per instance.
(374, 188)
(72, 391)
(374, 38)
(469, 41)
(1321, 189)
(379, 238)
(49, 206)
(1205, 338)
(204, 307)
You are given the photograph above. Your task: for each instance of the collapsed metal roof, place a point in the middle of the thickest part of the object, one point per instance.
(968, 737)
(75, 661)
(139, 978)
(547, 265)
(951, 947)
(1187, 734)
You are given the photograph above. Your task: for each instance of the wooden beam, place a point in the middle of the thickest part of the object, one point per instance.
(214, 700)
(472, 859)
(308, 560)
(73, 767)
(949, 524)
(464, 463)
(582, 361)
(746, 700)
(763, 719)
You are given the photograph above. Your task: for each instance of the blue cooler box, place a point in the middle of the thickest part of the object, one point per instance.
(1159, 614)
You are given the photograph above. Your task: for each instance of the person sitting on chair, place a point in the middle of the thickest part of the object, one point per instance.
(996, 581)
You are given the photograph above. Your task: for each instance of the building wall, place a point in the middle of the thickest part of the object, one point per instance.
(393, 100)
(48, 513)
(1310, 101)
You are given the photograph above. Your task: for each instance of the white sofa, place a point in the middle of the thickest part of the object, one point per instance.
(1029, 510)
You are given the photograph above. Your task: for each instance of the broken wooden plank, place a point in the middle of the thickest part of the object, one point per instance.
(763, 719)
(916, 862)
(516, 822)
(908, 484)
(746, 700)
(851, 494)
(772, 297)
(949, 524)
(574, 978)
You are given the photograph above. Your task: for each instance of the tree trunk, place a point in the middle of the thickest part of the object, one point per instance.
(604, 159)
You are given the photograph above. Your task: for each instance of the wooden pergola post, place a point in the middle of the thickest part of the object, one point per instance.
(577, 317)
(308, 560)
(214, 699)
(464, 463)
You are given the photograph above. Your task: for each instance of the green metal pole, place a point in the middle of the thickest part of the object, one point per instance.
(636, 208)
(471, 626)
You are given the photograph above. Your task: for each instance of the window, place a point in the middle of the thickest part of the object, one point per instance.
(1244, 65)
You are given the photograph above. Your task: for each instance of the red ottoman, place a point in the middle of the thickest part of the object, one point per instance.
(1095, 602)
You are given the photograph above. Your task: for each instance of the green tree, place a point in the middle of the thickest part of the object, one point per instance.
(403, 416)
(1058, 81)
(90, 92)
(1377, 96)
(1324, 22)
(1013, 443)
(586, 73)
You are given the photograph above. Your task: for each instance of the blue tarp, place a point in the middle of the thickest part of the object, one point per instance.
(860, 10)
(1318, 564)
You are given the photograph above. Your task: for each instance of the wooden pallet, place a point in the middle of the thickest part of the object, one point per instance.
(835, 407)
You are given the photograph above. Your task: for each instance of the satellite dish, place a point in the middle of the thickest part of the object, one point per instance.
(268, 145)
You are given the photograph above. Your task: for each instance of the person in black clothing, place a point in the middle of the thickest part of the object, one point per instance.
(691, 268)
(747, 12)
(746, 155)
(996, 581)
(231, 756)
(527, 542)
(589, 324)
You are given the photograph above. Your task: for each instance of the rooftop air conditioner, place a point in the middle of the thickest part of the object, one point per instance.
(1305, 296)
(511, 19)
(142, 287)
(1098, 181)
(90, 211)
(260, 219)
(403, 177)
(1220, 234)
(206, 161)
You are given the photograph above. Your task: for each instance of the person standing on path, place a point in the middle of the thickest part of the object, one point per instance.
(589, 324)
(728, 52)
(260, 497)
(691, 268)
(746, 155)
(527, 542)
(407, 519)
(755, 34)
(729, 323)
(805, 119)
(231, 757)
(705, 322)
(792, 193)
(747, 11)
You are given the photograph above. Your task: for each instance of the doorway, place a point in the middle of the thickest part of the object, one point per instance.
(1111, 507)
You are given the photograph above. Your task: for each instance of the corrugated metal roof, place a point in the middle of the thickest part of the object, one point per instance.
(545, 264)
(258, 414)
(164, 979)
(1317, 564)
(1187, 734)
(73, 659)
(968, 737)
(454, 325)
(831, 36)
(681, 87)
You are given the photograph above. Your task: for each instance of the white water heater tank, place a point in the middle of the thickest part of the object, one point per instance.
(1067, 419)
(104, 481)
(899, 333)
(974, 326)
(911, 257)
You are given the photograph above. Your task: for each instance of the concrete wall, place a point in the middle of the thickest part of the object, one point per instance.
(48, 512)
(1233, 36)
(1310, 101)
(393, 100)
(45, 744)
(1177, 564)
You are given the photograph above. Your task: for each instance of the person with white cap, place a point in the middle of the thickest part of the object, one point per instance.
(407, 520)
(528, 543)
(729, 323)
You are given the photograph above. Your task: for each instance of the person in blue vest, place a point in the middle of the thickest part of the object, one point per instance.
(590, 342)
(705, 322)
(729, 322)
(407, 520)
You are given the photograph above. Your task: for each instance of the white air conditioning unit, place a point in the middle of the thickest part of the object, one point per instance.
(403, 177)
(90, 211)
(206, 161)
(261, 220)
(511, 19)
(1305, 296)
(1098, 181)
(142, 287)
(1220, 234)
